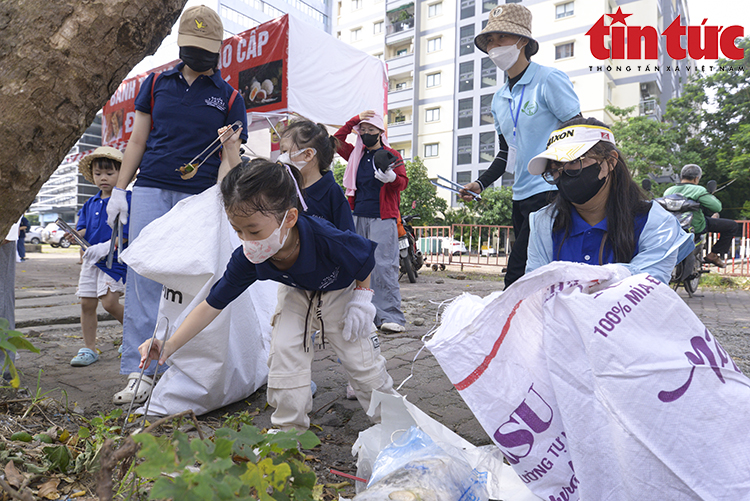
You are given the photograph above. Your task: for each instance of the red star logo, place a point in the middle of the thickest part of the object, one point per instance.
(619, 17)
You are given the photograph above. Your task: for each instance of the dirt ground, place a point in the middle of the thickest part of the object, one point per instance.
(47, 308)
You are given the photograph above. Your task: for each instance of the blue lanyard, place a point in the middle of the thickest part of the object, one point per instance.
(518, 111)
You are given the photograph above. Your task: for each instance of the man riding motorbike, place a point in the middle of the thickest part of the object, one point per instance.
(689, 188)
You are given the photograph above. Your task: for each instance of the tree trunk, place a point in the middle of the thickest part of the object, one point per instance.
(61, 61)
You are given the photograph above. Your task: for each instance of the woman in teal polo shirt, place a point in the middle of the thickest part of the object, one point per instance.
(533, 102)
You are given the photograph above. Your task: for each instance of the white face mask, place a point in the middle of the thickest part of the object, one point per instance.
(286, 158)
(505, 56)
(258, 251)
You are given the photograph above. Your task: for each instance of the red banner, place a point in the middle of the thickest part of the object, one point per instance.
(253, 62)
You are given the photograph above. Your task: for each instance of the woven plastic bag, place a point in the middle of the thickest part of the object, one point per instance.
(598, 385)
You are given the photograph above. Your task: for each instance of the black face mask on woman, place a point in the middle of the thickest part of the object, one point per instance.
(198, 59)
(370, 140)
(583, 187)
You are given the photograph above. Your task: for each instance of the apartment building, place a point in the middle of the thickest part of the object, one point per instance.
(441, 86)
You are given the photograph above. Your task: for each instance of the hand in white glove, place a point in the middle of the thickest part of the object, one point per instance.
(96, 252)
(117, 206)
(385, 177)
(359, 315)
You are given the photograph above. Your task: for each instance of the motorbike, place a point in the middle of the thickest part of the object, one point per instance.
(410, 257)
(688, 271)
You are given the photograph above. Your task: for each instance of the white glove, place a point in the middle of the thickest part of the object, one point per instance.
(96, 252)
(359, 315)
(385, 177)
(117, 206)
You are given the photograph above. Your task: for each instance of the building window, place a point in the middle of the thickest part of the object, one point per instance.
(356, 4)
(563, 10)
(609, 93)
(485, 110)
(356, 34)
(435, 9)
(462, 178)
(463, 152)
(402, 153)
(466, 42)
(564, 50)
(377, 27)
(466, 76)
(433, 80)
(431, 150)
(401, 85)
(467, 8)
(488, 5)
(486, 146)
(465, 112)
(402, 52)
(432, 115)
(489, 73)
(435, 44)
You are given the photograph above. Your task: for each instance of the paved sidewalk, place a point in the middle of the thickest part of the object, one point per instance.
(48, 311)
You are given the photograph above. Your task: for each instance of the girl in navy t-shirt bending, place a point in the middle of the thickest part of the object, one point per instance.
(327, 272)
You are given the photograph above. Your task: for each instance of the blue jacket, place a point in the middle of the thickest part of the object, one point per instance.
(661, 245)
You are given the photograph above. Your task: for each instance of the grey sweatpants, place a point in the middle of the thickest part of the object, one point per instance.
(384, 280)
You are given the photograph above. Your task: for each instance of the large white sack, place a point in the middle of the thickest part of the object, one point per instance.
(585, 416)
(187, 251)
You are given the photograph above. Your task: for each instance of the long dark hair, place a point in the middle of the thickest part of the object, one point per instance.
(260, 185)
(626, 200)
(307, 134)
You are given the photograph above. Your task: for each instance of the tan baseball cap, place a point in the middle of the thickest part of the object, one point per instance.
(84, 165)
(201, 27)
(511, 18)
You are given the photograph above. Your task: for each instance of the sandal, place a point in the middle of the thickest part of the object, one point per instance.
(86, 356)
(128, 394)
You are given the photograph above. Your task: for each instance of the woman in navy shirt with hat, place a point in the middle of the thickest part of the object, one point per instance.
(178, 113)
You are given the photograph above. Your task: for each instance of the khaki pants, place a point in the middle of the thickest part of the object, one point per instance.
(298, 315)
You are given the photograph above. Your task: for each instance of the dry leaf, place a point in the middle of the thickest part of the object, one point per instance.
(15, 478)
(48, 490)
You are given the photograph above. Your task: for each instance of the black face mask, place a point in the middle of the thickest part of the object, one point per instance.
(199, 60)
(583, 187)
(370, 140)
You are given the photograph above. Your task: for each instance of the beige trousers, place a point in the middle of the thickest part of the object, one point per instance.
(298, 315)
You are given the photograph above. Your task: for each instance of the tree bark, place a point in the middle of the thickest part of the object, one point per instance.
(61, 61)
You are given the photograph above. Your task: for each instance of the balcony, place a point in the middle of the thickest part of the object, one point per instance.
(399, 26)
(400, 97)
(400, 64)
(649, 108)
(400, 131)
(399, 31)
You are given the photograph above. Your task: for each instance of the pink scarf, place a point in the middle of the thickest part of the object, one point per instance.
(350, 174)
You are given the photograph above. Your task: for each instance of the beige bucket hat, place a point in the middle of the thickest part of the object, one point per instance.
(508, 18)
(84, 165)
(201, 27)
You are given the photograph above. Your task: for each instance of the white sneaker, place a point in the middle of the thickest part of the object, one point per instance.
(127, 395)
(392, 327)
